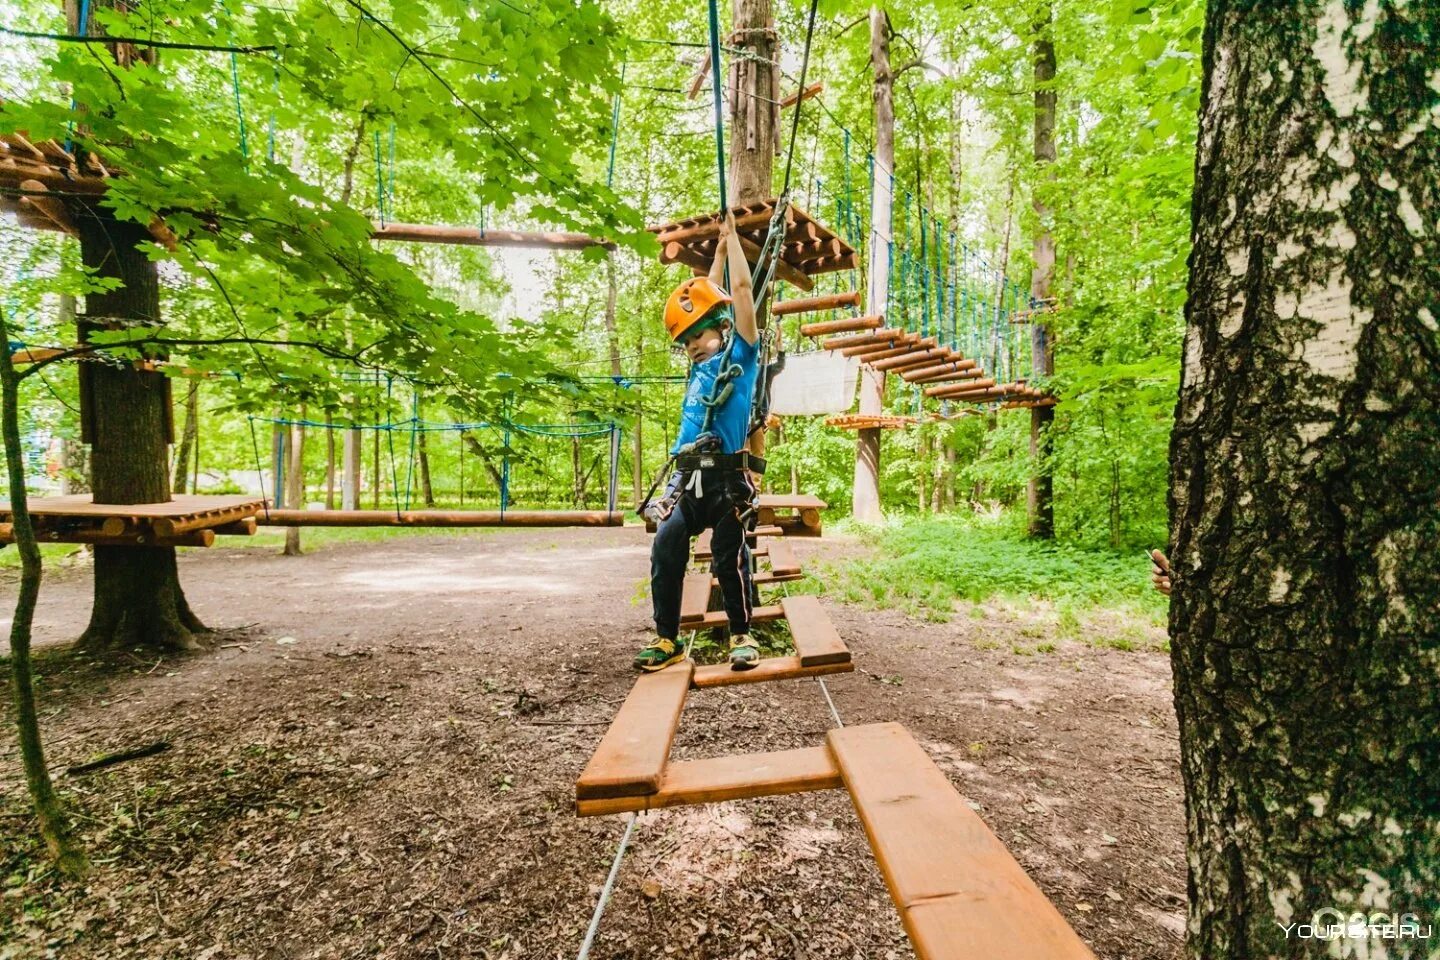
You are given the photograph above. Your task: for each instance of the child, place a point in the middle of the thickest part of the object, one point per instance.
(711, 487)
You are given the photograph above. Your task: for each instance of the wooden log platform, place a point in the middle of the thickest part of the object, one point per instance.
(960, 893)
(809, 247)
(844, 325)
(183, 521)
(441, 518)
(476, 237)
(631, 756)
(738, 777)
(829, 301)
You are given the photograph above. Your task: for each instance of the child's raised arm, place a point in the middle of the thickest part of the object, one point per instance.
(740, 290)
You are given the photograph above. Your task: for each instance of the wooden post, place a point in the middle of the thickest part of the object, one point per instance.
(754, 124)
(866, 505)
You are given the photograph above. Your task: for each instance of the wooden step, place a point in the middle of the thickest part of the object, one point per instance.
(969, 386)
(771, 668)
(843, 325)
(782, 559)
(875, 358)
(702, 542)
(792, 501)
(830, 301)
(730, 778)
(756, 550)
(766, 578)
(960, 893)
(902, 360)
(716, 618)
(862, 339)
(864, 351)
(816, 639)
(694, 596)
(631, 756)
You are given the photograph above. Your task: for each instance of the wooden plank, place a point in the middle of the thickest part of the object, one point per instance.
(830, 301)
(844, 325)
(180, 505)
(702, 542)
(717, 618)
(695, 596)
(631, 756)
(782, 559)
(765, 579)
(960, 893)
(703, 553)
(797, 501)
(800, 96)
(909, 359)
(816, 639)
(969, 386)
(737, 777)
(771, 668)
(882, 335)
(882, 359)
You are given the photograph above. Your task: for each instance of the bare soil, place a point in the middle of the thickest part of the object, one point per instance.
(377, 760)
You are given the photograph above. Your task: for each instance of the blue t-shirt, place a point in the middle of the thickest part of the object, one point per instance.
(732, 418)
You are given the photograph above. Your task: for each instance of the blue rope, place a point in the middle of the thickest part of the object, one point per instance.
(239, 108)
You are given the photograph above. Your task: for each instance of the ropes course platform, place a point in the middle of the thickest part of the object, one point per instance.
(870, 421)
(183, 521)
(441, 518)
(809, 248)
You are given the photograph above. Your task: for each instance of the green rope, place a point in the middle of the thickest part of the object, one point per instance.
(615, 127)
(715, 90)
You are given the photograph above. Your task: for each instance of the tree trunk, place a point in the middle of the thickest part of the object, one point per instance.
(1040, 491)
(54, 825)
(754, 129)
(329, 461)
(294, 481)
(375, 478)
(187, 437)
(938, 484)
(125, 415)
(1304, 468)
(866, 503)
(350, 484)
(422, 454)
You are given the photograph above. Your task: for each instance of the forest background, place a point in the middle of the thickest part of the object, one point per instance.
(536, 340)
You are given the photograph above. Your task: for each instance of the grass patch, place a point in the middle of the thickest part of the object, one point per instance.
(930, 567)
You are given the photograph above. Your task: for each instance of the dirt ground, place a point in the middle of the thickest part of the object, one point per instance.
(378, 760)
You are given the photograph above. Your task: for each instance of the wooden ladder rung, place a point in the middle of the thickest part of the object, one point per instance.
(960, 893)
(730, 778)
(702, 542)
(823, 328)
(631, 756)
(717, 618)
(771, 668)
(695, 596)
(830, 301)
(765, 579)
(703, 553)
(816, 639)
(782, 559)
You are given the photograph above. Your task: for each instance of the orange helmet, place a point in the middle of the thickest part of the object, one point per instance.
(694, 300)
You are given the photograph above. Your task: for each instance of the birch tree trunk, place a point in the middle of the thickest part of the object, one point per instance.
(1305, 466)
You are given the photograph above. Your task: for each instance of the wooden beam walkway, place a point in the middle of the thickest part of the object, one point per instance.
(959, 892)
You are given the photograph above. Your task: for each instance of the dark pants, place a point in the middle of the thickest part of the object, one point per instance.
(726, 495)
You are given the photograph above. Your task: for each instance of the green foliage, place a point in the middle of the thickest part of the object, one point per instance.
(930, 565)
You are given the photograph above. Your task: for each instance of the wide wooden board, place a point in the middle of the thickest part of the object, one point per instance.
(631, 756)
(736, 777)
(771, 668)
(816, 639)
(960, 893)
(180, 505)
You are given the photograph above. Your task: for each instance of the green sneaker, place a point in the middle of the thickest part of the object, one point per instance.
(744, 652)
(659, 654)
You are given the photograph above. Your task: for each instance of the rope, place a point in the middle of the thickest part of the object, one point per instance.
(615, 127)
(608, 889)
(715, 89)
(259, 468)
(239, 109)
